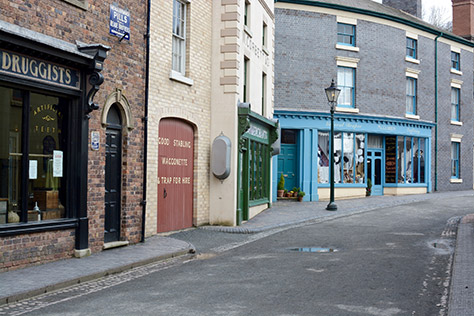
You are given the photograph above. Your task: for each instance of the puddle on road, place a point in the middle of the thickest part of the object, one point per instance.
(314, 249)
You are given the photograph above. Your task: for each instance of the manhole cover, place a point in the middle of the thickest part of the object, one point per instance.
(313, 249)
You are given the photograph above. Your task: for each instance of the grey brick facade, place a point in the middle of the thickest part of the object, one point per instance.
(305, 63)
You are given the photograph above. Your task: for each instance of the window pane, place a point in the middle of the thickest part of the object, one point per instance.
(348, 157)
(401, 160)
(337, 157)
(323, 157)
(46, 159)
(11, 107)
(359, 156)
(409, 157)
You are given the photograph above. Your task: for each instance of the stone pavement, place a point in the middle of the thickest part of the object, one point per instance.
(24, 283)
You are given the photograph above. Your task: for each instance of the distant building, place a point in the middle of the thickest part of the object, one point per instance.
(404, 118)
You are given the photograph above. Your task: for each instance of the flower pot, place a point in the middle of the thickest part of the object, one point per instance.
(300, 199)
(280, 193)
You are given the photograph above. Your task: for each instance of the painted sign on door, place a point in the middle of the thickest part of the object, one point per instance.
(175, 175)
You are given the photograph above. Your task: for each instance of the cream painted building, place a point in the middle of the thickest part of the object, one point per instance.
(205, 57)
(242, 70)
(179, 99)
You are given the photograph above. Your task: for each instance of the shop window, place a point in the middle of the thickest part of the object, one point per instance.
(33, 151)
(455, 160)
(411, 160)
(288, 136)
(259, 171)
(349, 149)
(346, 34)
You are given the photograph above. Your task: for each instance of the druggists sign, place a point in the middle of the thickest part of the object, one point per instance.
(39, 70)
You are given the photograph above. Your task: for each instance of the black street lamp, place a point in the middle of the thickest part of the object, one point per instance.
(332, 93)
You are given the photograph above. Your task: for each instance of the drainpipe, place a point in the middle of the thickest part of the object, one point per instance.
(436, 113)
(145, 118)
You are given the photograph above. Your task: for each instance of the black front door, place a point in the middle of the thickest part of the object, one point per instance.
(113, 172)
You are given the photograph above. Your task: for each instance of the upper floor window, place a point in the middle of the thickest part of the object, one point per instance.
(455, 61)
(346, 82)
(412, 48)
(246, 78)
(179, 36)
(247, 13)
(346, 34)
(455, 94)
(264, 35)
(411, 96)
(454, 160)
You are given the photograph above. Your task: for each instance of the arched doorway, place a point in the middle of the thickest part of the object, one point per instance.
(113, 174)
(175, 175)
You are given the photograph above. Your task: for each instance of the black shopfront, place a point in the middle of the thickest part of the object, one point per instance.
(47, 88)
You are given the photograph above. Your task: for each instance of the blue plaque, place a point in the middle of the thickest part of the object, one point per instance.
(119, 22)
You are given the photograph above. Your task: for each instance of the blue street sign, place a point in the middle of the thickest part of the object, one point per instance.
(119, 22)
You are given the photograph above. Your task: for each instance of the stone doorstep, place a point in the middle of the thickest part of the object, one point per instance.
(115, 244)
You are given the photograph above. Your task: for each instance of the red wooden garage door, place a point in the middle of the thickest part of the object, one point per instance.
(175, 175)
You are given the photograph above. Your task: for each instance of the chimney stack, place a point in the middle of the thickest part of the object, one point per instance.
(463, 18)
(409, 6)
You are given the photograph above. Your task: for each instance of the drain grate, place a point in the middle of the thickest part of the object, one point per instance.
(314, 249)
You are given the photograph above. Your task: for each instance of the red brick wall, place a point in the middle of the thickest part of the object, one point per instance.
(463, 18)
(32, 249)
(124, 68)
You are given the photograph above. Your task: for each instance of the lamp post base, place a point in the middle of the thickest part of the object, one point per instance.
(331, 206)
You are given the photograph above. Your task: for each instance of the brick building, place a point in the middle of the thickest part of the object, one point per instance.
(72, 100)
(404, 118)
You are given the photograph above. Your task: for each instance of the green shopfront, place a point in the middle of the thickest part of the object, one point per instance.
(256, 136)
(373, 155)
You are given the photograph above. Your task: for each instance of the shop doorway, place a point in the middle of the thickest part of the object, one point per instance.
(287, 159)
(374, 170)
(113, 174)
(175, 175)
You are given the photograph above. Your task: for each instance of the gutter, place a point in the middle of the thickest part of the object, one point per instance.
(436, 113)
(385, 16)
(145, 118)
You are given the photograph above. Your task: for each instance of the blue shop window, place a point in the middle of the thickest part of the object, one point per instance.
(412, 48)
(346, 34)
(455, 93)
(454, 160)
(410, 160)
(346, 82)
(455, 61)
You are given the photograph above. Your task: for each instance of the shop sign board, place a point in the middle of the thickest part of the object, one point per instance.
(31, 68)
(119, 22)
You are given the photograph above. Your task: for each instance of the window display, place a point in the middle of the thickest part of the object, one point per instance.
(45, 153)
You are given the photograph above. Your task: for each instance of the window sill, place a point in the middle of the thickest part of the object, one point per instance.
(35, 227)
(412, 60)
(456, 72)
(347, 110)
(347, 47)
(456, 123)
(176, 76)
(455, 180)
(412, 116)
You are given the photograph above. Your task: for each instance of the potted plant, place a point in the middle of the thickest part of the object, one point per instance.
(285, 193)
(289, 194)
(295, 191)
(368, 190)
(281, 186)
(300, 195)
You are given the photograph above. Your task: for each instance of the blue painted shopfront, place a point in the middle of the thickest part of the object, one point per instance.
(391, 152)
